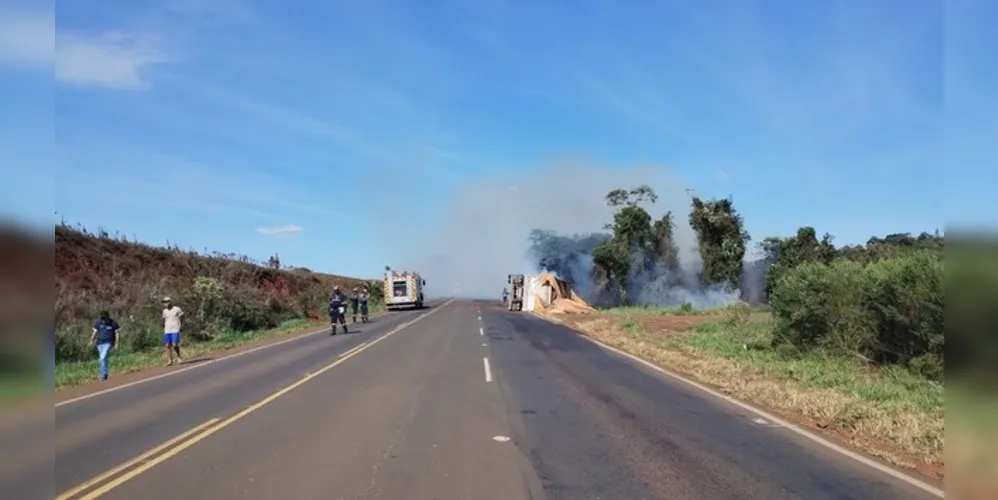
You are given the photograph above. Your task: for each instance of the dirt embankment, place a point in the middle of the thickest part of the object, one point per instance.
(95, 272)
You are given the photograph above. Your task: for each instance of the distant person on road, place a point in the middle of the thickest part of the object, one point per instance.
(105, 337)
(364, 296)
(337, 310)
(505, 295)
(171, 330)
(354, 303)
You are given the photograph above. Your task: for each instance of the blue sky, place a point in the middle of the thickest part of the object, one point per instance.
(256, 126)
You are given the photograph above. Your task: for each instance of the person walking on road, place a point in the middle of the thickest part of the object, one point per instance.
(171, 330)
(337, 310)
(354, 303)
(105, 337)
(364, 296)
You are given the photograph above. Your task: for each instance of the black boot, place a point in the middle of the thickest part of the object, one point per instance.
(333, 331)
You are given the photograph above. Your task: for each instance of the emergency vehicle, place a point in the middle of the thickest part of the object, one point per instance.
(403, 290)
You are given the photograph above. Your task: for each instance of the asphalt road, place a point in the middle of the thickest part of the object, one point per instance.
(436, 404)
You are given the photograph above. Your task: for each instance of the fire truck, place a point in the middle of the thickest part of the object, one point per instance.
(403, 290)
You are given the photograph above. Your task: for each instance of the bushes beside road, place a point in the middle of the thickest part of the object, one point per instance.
(224, 296)
(886, 312)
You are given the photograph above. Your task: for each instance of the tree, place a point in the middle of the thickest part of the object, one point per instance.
(632, 234)
(663, 243)
(622, 197)
(719, 229)
(788, 253)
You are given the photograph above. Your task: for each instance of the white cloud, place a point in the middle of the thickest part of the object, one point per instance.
(27, 37)
(286, 231)
(112, 60)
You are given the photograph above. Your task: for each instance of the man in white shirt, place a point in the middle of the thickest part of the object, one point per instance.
(171, 330)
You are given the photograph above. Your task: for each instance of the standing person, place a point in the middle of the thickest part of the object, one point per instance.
(337, 306)
(364, 296)
(105, 337)
(354, 303)
(171, 330)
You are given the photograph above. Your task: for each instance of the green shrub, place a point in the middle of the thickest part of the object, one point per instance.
(888, 312)
(818, 305)
(904, 296)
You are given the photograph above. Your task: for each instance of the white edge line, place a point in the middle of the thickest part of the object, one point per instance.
(772, 418)
(488, 371)
(198, 365)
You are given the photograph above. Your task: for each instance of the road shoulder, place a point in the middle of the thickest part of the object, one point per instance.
(919, 472)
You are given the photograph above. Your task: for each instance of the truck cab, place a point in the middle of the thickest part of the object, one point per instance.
(515, 300)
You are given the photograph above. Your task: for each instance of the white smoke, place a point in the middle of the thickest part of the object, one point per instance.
(484, 234)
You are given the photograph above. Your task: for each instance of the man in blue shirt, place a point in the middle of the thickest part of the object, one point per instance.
(105, 337)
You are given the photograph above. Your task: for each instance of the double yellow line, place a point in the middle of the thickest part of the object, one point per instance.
(111, 479)
(141, 459)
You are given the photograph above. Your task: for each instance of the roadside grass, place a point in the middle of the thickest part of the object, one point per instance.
(73, 373)
(683, 310)
(888, 412)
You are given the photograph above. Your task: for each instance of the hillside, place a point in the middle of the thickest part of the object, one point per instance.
(221, 293)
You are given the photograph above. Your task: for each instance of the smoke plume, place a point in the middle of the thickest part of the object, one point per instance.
(484, 235)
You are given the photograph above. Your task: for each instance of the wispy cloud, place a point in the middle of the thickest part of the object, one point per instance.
(235, 189)
(286, 231)
(111, 60)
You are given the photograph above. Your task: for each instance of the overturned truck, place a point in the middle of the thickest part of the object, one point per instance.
(543, 293)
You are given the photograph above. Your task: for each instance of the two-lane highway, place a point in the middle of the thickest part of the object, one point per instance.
(461, 401)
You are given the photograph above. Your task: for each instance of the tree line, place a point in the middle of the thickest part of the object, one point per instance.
(882, 301)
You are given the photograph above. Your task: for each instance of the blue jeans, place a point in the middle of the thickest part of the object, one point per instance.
(103, 350)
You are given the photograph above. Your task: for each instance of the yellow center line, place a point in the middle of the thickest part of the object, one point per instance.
(351, 351)
(170, 452)
(136, 460)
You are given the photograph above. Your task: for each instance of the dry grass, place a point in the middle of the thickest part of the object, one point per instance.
(890, 413)
(222, 294)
